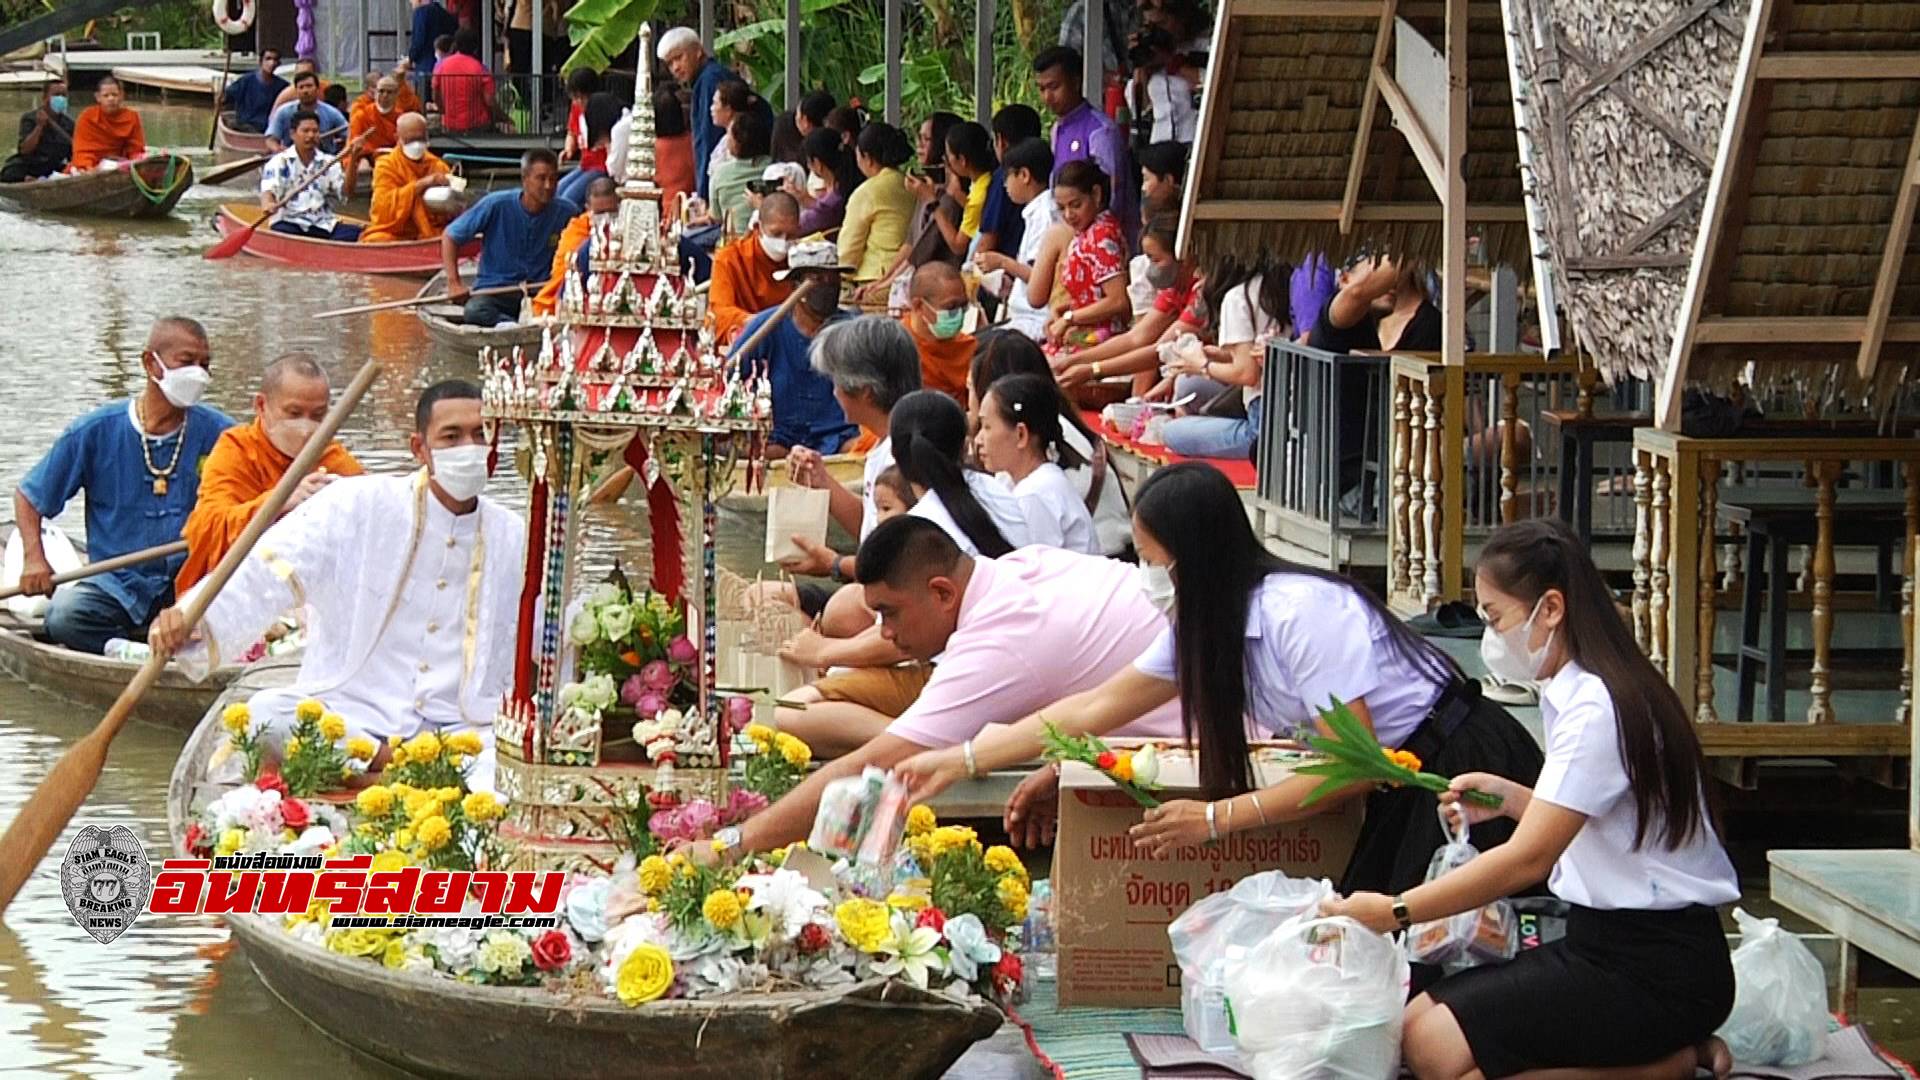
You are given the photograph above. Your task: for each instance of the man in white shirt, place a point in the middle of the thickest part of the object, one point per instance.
(302, 186)
(412, 588)
(1027, 168)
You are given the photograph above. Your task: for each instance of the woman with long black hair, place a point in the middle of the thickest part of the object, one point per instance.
(1022, 439)
(1256, 637)
(1618, 814)
(929, 433)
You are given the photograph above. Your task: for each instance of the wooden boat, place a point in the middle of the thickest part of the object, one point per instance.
(406, 258)
(444, 326)
(148, 188)
(95, 681)
(875, 1028)
(230, 144)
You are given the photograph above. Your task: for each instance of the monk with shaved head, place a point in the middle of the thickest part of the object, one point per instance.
(937, 318)
(374, 119)
(401, 180)
(108, 131)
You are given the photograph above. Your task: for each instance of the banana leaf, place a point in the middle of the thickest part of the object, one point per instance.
(601, 30)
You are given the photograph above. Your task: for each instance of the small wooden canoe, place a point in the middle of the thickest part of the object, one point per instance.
(406, 258)
(229, 144)
(879, 1028)
(96, 681)
(444, 325)
(147, 188)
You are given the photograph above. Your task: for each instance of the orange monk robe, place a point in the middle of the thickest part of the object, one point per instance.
(381, 135)
(943, 364)
(234, 480)
(576, 234)
(743, 286)
(97, 137)
(399, 209)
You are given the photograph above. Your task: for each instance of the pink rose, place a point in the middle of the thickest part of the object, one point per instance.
(632, 690)
(681, 651)
(743, 804)
(649, 704)
(657, 676)
(739, 713)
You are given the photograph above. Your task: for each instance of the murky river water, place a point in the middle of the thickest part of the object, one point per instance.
(168, 999)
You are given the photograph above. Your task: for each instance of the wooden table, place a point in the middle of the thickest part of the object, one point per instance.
(1775, 517)
(1869, 900)
(1577, 435)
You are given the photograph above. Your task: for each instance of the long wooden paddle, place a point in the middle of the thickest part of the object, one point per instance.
(107, 566)
(220, 91)
(246, 165)
(616, 482)
(416, 301)
(33, 831)
(230, 245)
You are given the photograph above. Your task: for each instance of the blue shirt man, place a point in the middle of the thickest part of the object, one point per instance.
(805, 412)
(518, 231)
(251, 97)
(280, 128)
(680, 49)
(139, 463)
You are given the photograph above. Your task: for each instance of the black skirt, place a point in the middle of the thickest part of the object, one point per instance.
(1623, 988)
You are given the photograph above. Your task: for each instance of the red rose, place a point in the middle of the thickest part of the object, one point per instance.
(196, 839)
(1106, 761)
(270, 780)
(934, 918)
(1006, 973)
(294, 814)
(813, 939)
(551, 951)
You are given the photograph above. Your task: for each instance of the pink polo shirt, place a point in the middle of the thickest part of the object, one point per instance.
(1035, 626)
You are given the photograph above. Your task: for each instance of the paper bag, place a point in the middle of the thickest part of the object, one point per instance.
(793, 510)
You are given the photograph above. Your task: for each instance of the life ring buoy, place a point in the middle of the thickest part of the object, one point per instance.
(228, 25)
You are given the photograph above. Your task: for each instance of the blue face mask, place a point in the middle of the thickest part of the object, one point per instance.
(57, 103)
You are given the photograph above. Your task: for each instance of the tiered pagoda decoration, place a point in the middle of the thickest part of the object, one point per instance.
(627, 373)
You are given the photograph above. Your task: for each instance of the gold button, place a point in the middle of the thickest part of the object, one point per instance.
(440, 584)
(423, 665)
(433, 628)
(450, 541)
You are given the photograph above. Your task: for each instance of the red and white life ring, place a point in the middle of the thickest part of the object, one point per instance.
(230, 26)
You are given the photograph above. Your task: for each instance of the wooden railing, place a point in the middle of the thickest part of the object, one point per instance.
(1677, 571)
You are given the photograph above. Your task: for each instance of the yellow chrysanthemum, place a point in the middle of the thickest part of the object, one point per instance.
(688, 870)
(333, 726)
(907, 901)
(1002, 860)
(644, 975)
(797, 753)
(358, 942)
(376, 801)
(389, 861)
(236, 718)
(950, 838)
(921, 820)
(447, 794)
(722, 909)
(309, 711)
(655, 875)
(422, 747)
(464, 742)
(435, 833)
(230, 841)
(293, 746)
(480, 806)
(1013, 896)
(404, 838)
(762, 736)
(677, 860)
(361, 748)
(864, 923)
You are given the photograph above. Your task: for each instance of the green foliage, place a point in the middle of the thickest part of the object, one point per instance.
(602, 29)
(1355, 756)
(313, 762)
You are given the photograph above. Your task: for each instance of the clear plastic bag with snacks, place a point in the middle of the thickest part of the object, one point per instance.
(1471, 938)
(861, 818)
(1780, 997)
(1319, 998)
(1220, 929)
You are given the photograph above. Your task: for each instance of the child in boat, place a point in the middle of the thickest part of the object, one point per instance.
(1618, 814)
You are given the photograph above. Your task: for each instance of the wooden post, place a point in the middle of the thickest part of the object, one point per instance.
(1820, 711)
(1906, 593)
(1684, 531)
(1416, 519)
(1436, 465)
(1703, 711)
(1509, 447)
(1642, 549)
(1397, 519)
(1657, 602)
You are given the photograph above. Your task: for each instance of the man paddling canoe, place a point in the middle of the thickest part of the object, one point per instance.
(517, 230)
(139, 463)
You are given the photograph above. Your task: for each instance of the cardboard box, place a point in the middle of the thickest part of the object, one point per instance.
(1112, 901)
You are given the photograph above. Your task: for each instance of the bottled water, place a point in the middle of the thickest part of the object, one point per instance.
(1038, 933)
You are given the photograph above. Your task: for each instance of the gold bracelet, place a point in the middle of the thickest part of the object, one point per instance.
(1096, 369)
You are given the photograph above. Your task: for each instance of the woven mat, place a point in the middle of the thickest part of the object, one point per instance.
(1087, 1043)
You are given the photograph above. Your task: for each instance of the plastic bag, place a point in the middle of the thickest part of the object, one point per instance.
(1220, 929)
(861, 818)
(1780, 997)
(1319, 999)
(1470, 938)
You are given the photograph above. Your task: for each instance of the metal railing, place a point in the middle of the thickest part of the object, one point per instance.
(1322, 448)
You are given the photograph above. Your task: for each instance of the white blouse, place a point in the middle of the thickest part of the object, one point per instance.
(1056, 513)
(1002, 505)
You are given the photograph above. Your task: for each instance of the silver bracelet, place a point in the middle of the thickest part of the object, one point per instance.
(1255, 796)
(1213, 831)
(973, 770)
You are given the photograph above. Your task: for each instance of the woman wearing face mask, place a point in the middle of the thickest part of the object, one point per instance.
(1257, 638)
(929, 433)
(1618, 814)
(1171, 314)
(832, 178)
(1021, 438)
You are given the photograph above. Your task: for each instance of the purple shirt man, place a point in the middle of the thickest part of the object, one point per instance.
(1084, 133)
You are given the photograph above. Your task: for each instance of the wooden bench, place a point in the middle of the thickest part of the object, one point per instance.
(1870, 900)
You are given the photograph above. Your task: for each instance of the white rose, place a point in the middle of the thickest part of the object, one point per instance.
(603, 594)
(616, 621)
(1146, 766)
(584, 629)
(599, 692)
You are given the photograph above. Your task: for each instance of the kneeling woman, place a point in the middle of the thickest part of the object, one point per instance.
(1619, 815)
(1255, 637)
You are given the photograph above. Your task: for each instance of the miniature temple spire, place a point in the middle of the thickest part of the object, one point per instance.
(640, 144)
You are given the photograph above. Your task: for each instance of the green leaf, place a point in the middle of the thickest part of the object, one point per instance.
(1326, 787)
(601, 30)
(751, 32)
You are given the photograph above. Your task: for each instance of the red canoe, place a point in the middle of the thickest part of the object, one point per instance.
(233, 145)
(406, 258)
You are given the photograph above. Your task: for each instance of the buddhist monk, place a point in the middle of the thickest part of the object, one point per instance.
(376, 116)
(400, 183)
(743, 283)
(249, 460)
(937, 319)
(603, 202)
(108, 130)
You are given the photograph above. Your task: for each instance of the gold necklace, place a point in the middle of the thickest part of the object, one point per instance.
(146, 452)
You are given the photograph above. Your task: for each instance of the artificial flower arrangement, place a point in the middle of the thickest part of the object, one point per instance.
(1137, 773)
(634, 662)
(274, 809)
(1354, 755)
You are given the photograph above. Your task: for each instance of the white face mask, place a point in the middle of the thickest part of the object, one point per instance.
(1506, 654)
(414, 150)
(774, 246)
(816, 185)
(288, 436)
(461, 471)
(1157, 582)
(184, 386)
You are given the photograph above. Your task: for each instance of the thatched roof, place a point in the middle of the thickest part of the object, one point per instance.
(1281, 119)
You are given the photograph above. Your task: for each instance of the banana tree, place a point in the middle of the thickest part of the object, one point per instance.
(601, 30)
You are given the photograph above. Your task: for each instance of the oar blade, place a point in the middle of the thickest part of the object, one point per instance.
(231, 244)
(53, 804)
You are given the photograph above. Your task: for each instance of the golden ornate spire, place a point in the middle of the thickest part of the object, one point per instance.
(640, 137)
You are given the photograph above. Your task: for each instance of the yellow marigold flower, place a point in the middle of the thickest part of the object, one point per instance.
(1002, 860)
(293, 746)
(309, 711)
(688, 870)
(447, 794)
(921, 820)
(333, 726)
(907, 901)
(358, 942)
(375, 801)
(950, 838)
(797, 753)
(677, 860)
(421, 804)
(389, 861)
(397, 757)
(1123, 768)
(398, 954)
(762, 736)
(644, 975)
(722, 909)
(402, 789)
(230, 841)
(1405, 759)
(1013, 896)
(236, 718)
(653, 905)
(361, 748)
(404, 838)
(435, 833)
(480, 806)
(464, 742)
(422, 747)
(655, 875)
(864, 923)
